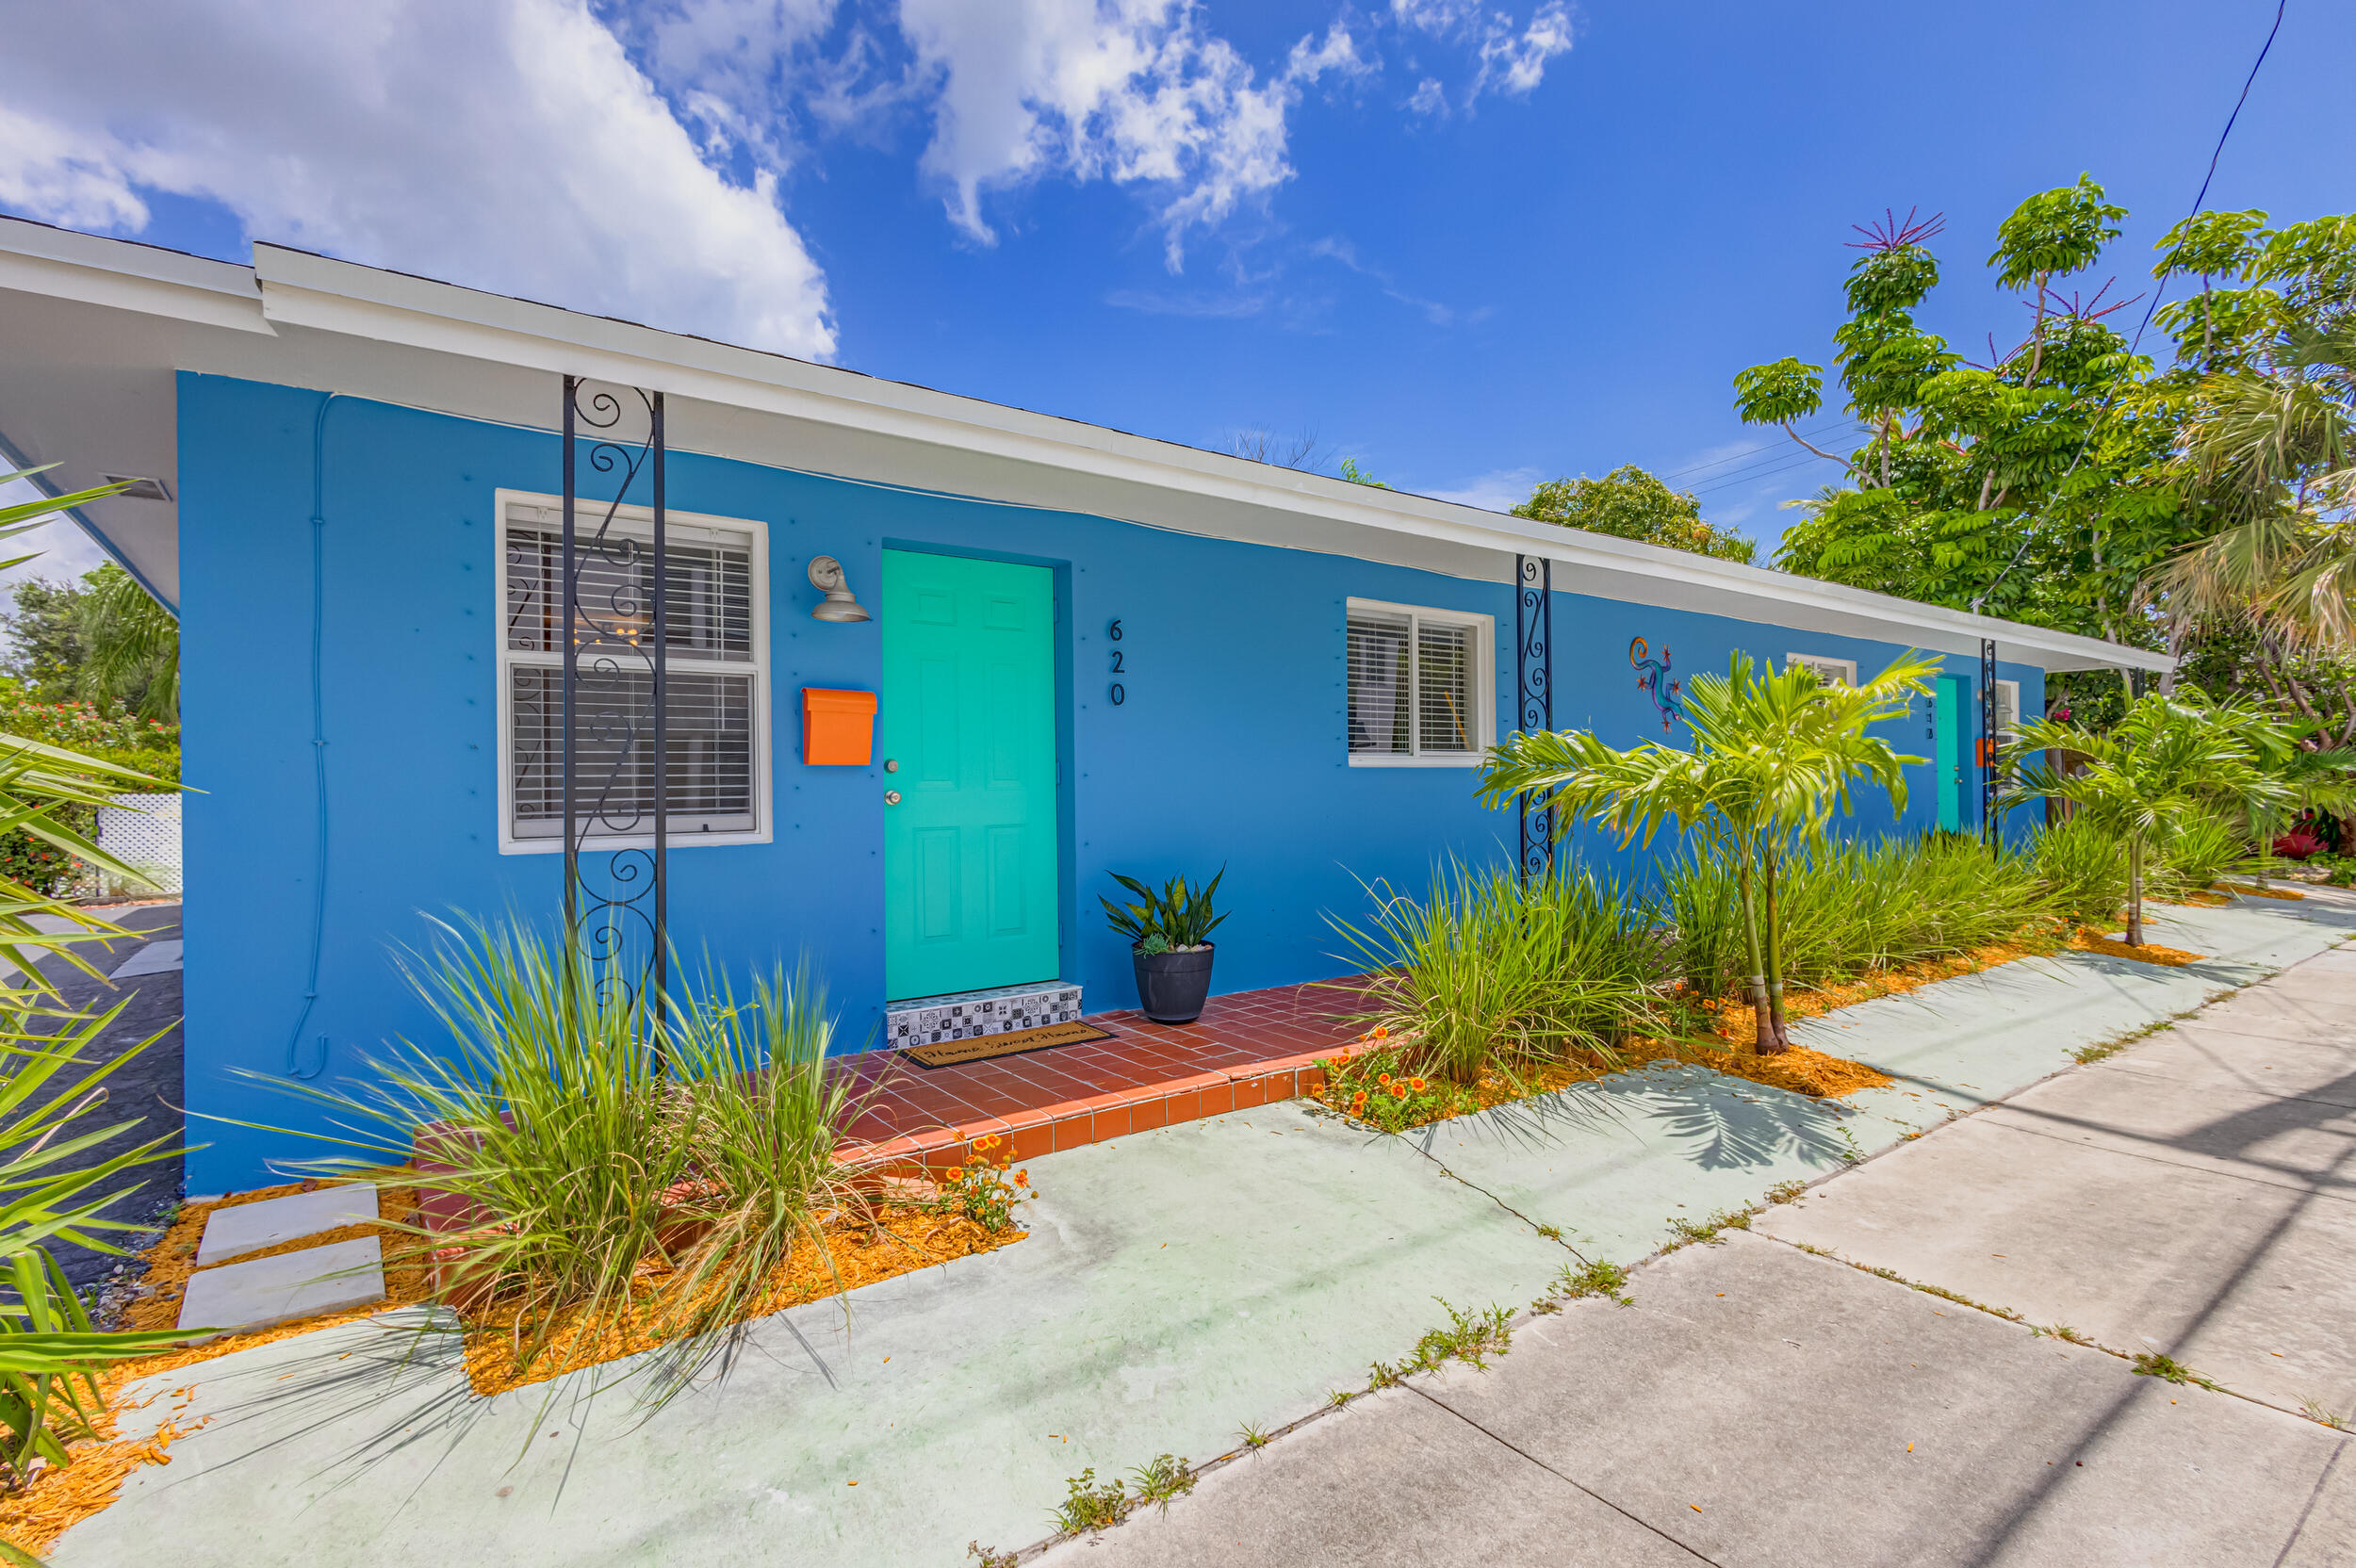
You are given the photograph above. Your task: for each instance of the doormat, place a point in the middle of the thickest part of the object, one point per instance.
(981, 1048)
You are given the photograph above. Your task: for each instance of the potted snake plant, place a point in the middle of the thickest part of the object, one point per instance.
(1170, 944)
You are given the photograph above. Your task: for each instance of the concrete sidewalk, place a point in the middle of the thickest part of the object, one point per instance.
(1180, 1285)
(1767, 1401)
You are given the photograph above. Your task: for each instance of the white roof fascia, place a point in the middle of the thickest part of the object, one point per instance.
(1222, 496)
(300, 288)
(127, 275)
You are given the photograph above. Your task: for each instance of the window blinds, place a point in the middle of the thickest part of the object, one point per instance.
(711, 660)
(1414, 685)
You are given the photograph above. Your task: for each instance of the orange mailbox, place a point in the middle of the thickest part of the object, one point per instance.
(838, 726)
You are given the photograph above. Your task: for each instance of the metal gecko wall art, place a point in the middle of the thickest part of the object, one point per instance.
(1652, 678)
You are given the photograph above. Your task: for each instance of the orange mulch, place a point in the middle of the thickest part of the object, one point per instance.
(58, 1498)
(2247, 891)
(2150, 953)
(904, 1240)
(1814, 1073)
(173, 1259)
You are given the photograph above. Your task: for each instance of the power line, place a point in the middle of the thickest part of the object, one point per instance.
(2199, 203)
(1799, 460)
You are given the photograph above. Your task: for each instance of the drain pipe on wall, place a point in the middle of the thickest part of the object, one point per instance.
(318, 743)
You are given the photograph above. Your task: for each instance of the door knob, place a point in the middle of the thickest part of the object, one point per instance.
(891, 797)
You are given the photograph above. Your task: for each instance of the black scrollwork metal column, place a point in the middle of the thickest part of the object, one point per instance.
(616, 697)
(1988, 741)
(1534, 642)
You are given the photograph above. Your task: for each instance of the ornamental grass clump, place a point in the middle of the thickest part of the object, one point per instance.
(2082, 869)
(625, 1175)
(1850, 908)
(1487, 971)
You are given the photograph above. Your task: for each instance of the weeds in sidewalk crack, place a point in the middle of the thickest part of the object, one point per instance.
(992, 1557)
(1787, 1192)
(2151, 1364)
(1253, 1437)
(2315, 1410)
(2064, 1331)
(1091, 1507)
(1706, 1231)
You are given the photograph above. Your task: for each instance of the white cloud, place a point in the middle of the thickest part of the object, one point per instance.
(1519, 64)
(508, 144)
(1132, 91)
(1511, 57)
(1499, 490)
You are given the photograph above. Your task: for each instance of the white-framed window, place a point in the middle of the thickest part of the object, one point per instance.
(716, 671)
(1832, 672)
(1423, 686)
(2008, 708)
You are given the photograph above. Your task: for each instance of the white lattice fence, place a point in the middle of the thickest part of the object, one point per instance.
(142, 831)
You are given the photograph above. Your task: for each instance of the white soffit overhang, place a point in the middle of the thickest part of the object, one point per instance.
(135, 314)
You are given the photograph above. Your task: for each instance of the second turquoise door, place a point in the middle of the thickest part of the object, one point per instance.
(968, 712)
(1951, 751)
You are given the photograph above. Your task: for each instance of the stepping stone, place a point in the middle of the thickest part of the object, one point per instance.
(263, 1291)
(155, 958)
(250, 1227)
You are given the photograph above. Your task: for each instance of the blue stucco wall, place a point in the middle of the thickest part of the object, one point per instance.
(1229, 750)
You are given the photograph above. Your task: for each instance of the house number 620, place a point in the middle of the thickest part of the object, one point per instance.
(1118, 693)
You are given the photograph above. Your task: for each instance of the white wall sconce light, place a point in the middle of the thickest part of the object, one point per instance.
(825, 574)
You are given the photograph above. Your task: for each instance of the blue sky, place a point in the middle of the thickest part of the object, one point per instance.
(1469, 245)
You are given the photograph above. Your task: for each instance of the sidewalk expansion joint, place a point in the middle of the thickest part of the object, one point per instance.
(1636, 1519)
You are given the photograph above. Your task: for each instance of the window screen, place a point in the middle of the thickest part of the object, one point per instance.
(1417, 685)
(710, 612)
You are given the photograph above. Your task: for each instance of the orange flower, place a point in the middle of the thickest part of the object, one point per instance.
(1023, 1178)
(1357, 1100)
(989, 1142)
(1384, 1079)
(1415, 1083)
(1005, 1160)
(1381, 1031)
(1398, 1091)
(955, 1173)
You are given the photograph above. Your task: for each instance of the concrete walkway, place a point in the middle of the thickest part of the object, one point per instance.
(1180, 1285)
(1767, 1401)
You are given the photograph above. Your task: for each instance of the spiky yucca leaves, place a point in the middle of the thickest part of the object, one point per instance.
(2163, 765)
(1484, 971)
(50, 1096)
(1775, 754)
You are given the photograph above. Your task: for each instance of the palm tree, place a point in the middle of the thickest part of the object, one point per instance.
(2173, 756)
(1775, 756)
(134, 645)
(2272, 451)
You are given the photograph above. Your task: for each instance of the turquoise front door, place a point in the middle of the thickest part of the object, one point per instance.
(1948, 751)
(966, 725)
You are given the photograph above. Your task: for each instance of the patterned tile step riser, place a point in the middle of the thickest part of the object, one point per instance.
(934, 1019)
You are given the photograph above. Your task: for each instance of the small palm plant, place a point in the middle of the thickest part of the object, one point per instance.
(2166, 764)
(1775, 757)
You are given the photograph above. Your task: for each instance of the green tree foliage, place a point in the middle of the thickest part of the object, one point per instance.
(102, 641)
(1630, 504)
(2037, 485)
(2268, 347)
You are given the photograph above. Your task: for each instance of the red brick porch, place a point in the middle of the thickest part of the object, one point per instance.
(1246, 1049)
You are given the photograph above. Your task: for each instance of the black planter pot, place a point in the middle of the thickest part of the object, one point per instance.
(1171, 986)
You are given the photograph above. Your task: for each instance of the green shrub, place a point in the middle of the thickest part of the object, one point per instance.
(1848, 908)
(2084, 870)
(1485, 969)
